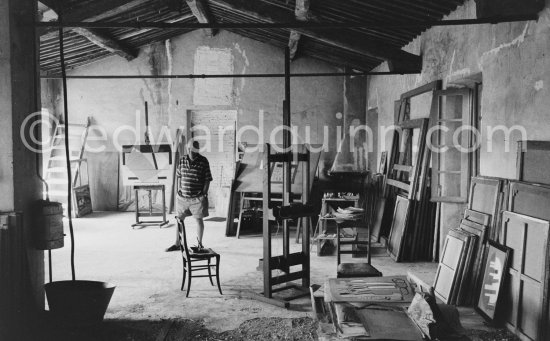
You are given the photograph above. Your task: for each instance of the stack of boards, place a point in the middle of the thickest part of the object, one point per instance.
(461, 260)
(514, 214)
(459, 273)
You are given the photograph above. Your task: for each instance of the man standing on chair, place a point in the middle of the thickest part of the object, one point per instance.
(193, 180)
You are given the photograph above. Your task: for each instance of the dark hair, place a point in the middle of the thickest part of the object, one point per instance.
(196, 144)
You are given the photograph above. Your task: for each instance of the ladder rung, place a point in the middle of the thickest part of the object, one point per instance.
(76, 125)
(62, 136)
(62, 147)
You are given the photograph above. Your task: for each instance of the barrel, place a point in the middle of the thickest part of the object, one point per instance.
(48, 225)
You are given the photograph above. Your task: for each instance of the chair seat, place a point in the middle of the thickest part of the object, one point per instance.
(357, 270)
(204, 253)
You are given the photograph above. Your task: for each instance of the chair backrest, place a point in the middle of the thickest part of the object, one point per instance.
(353, 242)
(183, 237)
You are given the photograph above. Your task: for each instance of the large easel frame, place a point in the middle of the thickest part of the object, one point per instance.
(286, 260)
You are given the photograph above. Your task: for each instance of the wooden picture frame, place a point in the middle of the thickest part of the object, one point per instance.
(469, 285)
(493, 276)
(402, 137)
(452, 257)
(533, 161)
(526, 295)
(477, 217)
(399, 224)
(485, 195)
(82, 200)
(464, 262)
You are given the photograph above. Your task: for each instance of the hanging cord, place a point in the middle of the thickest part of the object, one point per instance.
(50, 264)
(66, 133)
(37, 165)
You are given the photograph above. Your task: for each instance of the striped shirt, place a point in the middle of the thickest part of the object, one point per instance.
(193, 174)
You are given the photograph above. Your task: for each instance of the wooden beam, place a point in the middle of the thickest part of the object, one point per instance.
(301, 13)
(200, 10)
(100, 10)
(293, 41)
(398, 60)
(107, 43)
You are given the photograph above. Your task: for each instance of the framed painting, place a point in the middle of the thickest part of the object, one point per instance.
(494, 272)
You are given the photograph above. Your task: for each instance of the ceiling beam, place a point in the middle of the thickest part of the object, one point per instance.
(200, 10)
(398, 60)
(101, 9)
(301, 13)
(107, 43)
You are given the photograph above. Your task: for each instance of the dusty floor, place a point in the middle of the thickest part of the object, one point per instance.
(148, 300)
(148, 279)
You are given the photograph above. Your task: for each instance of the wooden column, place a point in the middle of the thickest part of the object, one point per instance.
(287, 144)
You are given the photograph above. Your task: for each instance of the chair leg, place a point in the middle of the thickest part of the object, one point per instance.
(184, 274)
(189, 282)
(210, 273)
(218, 274)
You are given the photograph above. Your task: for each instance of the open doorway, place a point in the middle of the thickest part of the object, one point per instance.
(219, 149)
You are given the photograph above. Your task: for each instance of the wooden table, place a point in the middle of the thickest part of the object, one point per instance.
(334, 297)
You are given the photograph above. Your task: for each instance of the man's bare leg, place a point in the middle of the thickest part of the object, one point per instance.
(200, 230)
(177, 244)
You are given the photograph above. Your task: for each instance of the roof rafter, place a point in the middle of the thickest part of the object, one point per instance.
(301, 13)
(107, 43)
(102, 9)
(398, 60)
(200, 10)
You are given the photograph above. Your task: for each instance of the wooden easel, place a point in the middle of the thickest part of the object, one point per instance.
(286, 260)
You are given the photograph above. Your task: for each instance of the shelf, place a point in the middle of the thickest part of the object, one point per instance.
(340, 199)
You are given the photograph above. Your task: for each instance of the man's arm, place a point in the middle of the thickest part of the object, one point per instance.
(205, 188)
(207, 179)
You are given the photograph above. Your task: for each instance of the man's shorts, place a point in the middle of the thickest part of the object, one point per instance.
(196, 207)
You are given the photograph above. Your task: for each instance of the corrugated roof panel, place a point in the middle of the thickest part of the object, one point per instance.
(81, 51)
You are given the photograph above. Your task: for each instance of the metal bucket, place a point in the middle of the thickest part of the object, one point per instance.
(78, 303)
(48, 223)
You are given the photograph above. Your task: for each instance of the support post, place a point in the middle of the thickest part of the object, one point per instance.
(287, 144)
(265, 221)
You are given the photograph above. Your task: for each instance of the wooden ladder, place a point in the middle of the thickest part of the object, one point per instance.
(56, 171)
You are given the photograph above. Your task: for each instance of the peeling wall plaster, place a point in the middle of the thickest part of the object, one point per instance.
(516, 42)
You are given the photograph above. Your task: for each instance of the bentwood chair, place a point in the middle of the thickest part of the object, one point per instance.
(195, 260)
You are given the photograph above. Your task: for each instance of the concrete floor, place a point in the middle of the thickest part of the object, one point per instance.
(148, 279)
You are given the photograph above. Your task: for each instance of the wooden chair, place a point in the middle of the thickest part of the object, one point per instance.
(191, 256)
(347, 270)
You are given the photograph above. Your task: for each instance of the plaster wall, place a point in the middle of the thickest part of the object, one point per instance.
(113, 103)
(514, 62)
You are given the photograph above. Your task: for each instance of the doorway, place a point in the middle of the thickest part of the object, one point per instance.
(215, 130)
